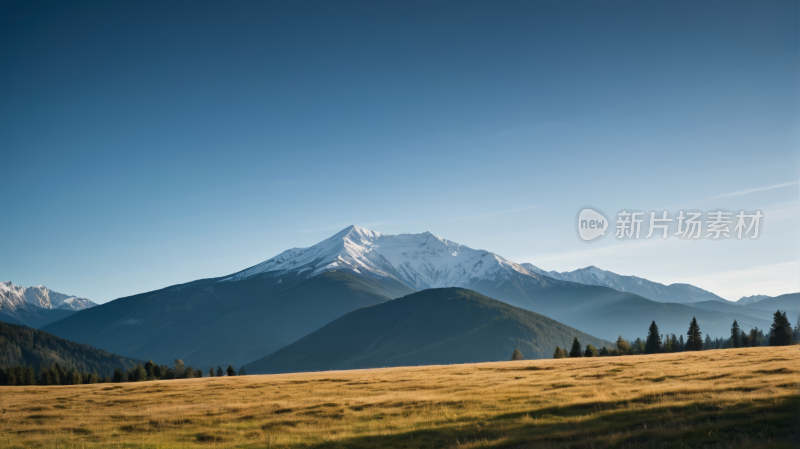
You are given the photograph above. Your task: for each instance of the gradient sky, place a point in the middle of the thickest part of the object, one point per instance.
(145, 144)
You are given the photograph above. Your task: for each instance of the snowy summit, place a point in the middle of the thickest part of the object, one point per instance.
(13, 297)
(418, 260)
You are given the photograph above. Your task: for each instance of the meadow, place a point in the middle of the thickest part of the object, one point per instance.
(719, 398)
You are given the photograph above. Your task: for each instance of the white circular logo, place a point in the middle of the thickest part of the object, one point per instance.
(591, 224)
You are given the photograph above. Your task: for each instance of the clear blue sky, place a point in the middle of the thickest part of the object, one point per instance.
(145, 144)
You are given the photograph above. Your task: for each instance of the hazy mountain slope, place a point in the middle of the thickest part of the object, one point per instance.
(733, 308)
(21, 345)
(632, 318)
(434, 326)
(746, 300)
(213, 323)
(30, 315)
(679, 293)
(788, 303)
(605, 312)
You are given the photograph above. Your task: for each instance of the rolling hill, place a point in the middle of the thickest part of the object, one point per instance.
(210, 323)
(431, 327)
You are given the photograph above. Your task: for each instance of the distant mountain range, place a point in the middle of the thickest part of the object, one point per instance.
(677, 293)
(746, 300)
(37, 306)
(255, 312)
(788, 303)
(431, 327)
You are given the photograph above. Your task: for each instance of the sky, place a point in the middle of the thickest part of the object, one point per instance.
(147, 144)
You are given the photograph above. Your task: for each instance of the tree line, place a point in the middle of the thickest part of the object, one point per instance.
(58, 375)
(780, 334)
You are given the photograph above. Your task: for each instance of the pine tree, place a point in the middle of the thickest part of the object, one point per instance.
(557, 354)
(694, 342)
(638, 346)
(754, 337)
(653, 343)
(44, 377)
(576, 348)
(242, 371)
(231, 371)
(746, 340)
(681, 343)
(780, 333)
(211, 372)
(735, 332)
(604, 352)
(516, 355)
(591, 351)
(220, 373)
(119, 376)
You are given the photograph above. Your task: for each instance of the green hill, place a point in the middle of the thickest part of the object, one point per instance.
(21, 345)
(209, 323)
(435, 326)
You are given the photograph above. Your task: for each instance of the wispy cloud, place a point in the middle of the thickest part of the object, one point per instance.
(757, 189)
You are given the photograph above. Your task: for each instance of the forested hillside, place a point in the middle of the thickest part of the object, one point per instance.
(21, 345)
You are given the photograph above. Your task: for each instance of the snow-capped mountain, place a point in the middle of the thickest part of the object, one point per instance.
(418, 260)
(677, 293)
(745, 300)
(14, 296)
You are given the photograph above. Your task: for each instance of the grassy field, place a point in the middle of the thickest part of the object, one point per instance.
(724, 398)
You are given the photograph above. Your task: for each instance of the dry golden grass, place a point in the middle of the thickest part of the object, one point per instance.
(724, 398)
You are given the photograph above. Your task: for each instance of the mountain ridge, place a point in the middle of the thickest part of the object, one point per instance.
(591, 275)
(42, 297)
(418, 260)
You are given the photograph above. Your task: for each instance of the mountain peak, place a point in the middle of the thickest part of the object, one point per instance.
(746, 300)
(40, 296)
(417, 260)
